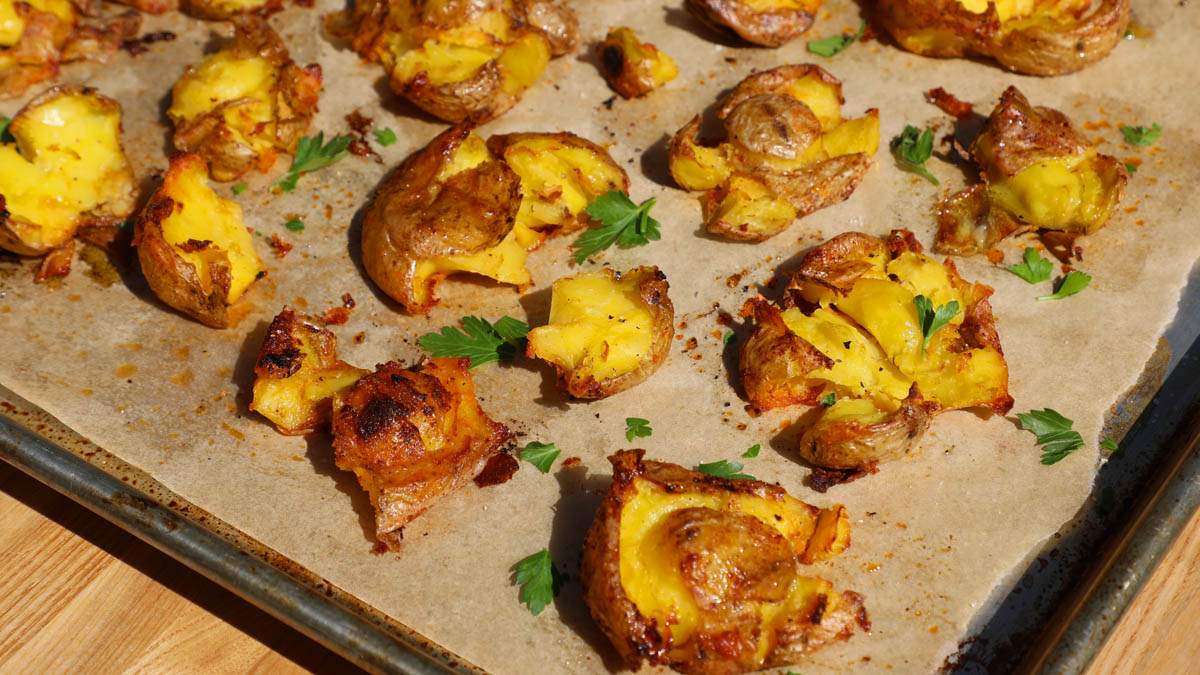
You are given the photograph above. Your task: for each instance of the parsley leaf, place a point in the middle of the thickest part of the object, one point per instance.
(724, 469)
(1141, 135)
(384, 137)
(828, 399)
(1034, 269)
(541, 455)
(913, 148)
(752, 451)
(5, 137)
(636, 426)
(729, 337)
(313, 153)
(1110, 445)
(1054, 433)
(836, 43)
(932, 321)
(295, 225)
(1071, 284)
(480, 341)
(539, 580)
(1131, 168)
(238, 189)
(625, 224)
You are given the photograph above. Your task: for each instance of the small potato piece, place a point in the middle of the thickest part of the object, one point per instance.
(704, 574)
(243, 106)
(855, 434)
(607, 332)
(66, 170)
(450, 207)
(412, 436)
(226, 9)
(788, 152)
(298, 373)
(1040, 173)
(774, 362)
(769, 23)
(1038, 38)
(195, 251)
(633, 68)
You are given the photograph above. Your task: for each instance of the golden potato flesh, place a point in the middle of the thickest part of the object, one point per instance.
(298, 373)
(450, 207)
(704, 574)
(243, 106)
(632, 67)
(1039, 171)
(560, 175)
(194, 249)
(459, 59)
(769, 23)
(852, 331)
(607, 331)
(65, 170)
(1038, 37)
(788, 152)
(225, 9)
(412, 436)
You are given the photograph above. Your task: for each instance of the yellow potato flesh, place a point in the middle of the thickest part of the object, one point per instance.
(752, 208)
(662, 67)
(860, 367)
(222, 78)
(598, 326)
(821, 97)
(12, 25)
(558, 180)
(202, 215)
(1009, 10)
(523, 61)
(1059, 194)
(651, 577)
(290, 402)
(235, 6)
(848, 137)
(67, 161)
(700, 168)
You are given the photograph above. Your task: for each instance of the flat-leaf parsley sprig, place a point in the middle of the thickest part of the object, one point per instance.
(830, 46)
(1034, 269)
(636, 427)
(479, 340)
(930, 320)
(1071, 284)
(313, 153)
(624, 223)
(541, 455)
(725, 469)
(1054, 433)
(913, 148)
(539, 580)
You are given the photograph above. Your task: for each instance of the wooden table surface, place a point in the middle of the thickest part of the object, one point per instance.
(79, 594)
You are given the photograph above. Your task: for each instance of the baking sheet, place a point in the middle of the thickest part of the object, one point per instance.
(937, 536)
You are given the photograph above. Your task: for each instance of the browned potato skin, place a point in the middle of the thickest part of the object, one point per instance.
(414, 218)
(775, 81)
(1035, 50)
(851, 445)
(477, 99)
(412, 436)
(296, 93)
(821, 185)
(768, 29)
(627, 76)
(773, 361)
(557, 23)
(652, 289)
(204, 9)
(967, 223)
(634, 636)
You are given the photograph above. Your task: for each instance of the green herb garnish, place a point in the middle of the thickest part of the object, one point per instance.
(1054, 433)
(479, 340)
(625, 224)
(724, 469)
(752, 451)
(932, 321)
(1131, 168)
(729, 337)
(541, 455)
(829, 46)
(5, 137)
(1034, 269)
(313, 153)
(828, 399)
(637, 427)
(1110, 445)
(384, 137)
(295, 225)
(238, 189)
(913, 148)
(1071, 284)
(539, 580)
(1141, 135)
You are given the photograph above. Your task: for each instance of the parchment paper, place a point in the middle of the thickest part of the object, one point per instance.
(937, 536)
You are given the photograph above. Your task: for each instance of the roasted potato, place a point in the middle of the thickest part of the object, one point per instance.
(787, 153)
(459, 59)
(850, 329)
(412, 436)
(1039, 172)
(65, 170)
(194, 249)
(1037, 37)
(560, 174)
(243, 106)
(703, 574)
(608, 331)
(450, 207)
(769, 23)
(226, 9)
(632, 67)
(298, 373)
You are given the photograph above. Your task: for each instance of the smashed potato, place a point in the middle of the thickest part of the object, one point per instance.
(1038, 37)
(850, 329)
(194, 249)
(788, 152)
(65, 170)
(243, 106)
(459, 59)
(703, 574)
(1039, 172)
(607, 332)
(227, 9)
(412, 436)
(769, 23)
(298, 373)
(632, 67)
